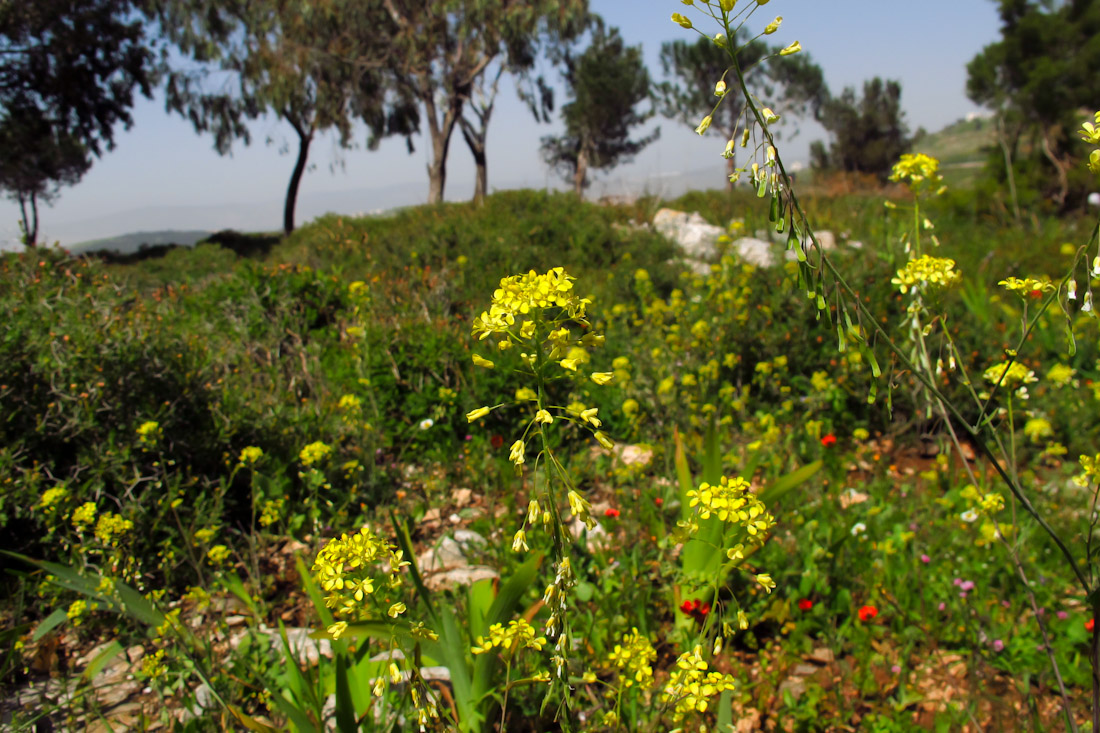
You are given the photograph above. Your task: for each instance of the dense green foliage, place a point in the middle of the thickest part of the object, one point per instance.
(606, 83)
(1037, 78)
(868, 133)
(225, 352)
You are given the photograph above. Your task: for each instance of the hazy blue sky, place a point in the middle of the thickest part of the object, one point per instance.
(161, 162)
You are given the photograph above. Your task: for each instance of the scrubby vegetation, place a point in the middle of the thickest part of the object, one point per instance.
(183, 436)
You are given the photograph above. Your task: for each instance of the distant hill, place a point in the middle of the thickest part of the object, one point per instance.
(125, 244)
(960, 148)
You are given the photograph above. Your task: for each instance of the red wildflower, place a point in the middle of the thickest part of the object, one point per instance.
(611, 513)
(497, 441)
(828, 441)
(1090, 625)
(658, 501)
(1036, 293)
(866, 613)
(698, 610)
(805, 604)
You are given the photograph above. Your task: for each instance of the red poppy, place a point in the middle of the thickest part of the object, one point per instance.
(866, 613)
(658, 501)
(1090, 625)
(497, 441)
(828, 441)
(698, 610)
(805, 604)
(1036, 293)
(611, 513)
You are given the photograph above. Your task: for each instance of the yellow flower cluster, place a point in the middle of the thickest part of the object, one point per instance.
(1090, 133)
(518, 635)
(250, 455)
(733, 501)
(1090, 471)
(51, 498)
(1026, 286)
(111, 527)
(920, 171)
(314, 453)
(691, 687)
(926, 274)
(83, 516)
(518, 295)
(1016, 376)
(148, 433)
(344, 568)
(633, 658)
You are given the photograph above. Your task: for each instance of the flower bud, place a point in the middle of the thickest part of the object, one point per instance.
(683, 21)
(791, 49)
(773, 26)
(720, 88)
(703, 125)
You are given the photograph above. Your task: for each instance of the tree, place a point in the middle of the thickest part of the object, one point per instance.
(68, 73)
(524, 43)
(606, 83)
(39, 159)
(791, 85)
(869, 134)
(445, 48)
(282, 60)
(1038, 77)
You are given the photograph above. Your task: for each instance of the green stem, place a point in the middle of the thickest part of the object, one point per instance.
(975, 432)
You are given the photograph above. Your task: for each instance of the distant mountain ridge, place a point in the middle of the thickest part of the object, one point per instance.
(125, 244)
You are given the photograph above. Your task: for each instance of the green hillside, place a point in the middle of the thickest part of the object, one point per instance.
(960, 148)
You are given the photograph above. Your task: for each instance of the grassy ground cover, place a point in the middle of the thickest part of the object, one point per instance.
(181, 437)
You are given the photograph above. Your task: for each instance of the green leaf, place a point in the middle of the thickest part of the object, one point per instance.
(102, 659)
(345, 708)
(49, 623)
(785, 484)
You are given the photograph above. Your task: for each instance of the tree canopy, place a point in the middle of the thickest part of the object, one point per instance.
(316, 70)
(606, 83)
(68, 73)
(1038, 78)
(790, 85)
(443, 49)
(869, 133)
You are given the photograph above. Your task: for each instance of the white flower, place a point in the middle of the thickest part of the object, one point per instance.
(858, 528)
(969, 516)
(426, 423)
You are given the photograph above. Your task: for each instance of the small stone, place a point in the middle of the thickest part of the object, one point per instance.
(822, 655)
(460, 576)
(467, 539)
(445, 555)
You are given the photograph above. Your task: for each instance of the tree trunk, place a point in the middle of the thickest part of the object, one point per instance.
(1002, 139)
(305, 137)
(440, 131)
(475, 140)
(30, 224)
(1063, 177)
(580, 176)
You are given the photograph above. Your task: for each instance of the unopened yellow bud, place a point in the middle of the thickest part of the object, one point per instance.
(773, 26)
(720, 88)
(769, 116)
(791, 49)
(683, 21)
(727, 5)
(703, 125)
